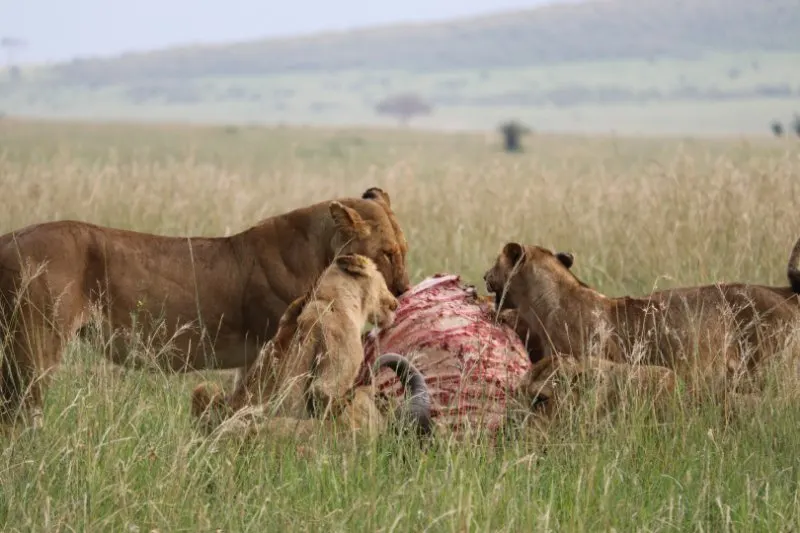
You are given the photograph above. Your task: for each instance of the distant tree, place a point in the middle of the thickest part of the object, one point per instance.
(777, 128)
(403, 106)
(512, 131)
(734, 73)
(796, 124)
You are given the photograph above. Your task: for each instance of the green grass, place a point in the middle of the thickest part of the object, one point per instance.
(118, 452)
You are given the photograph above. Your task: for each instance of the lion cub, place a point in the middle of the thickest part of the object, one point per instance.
(559, 384)
(715, 333)
(311, 364)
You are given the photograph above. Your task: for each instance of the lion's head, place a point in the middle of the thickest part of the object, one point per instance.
(378, 303)
(521, 272)
(367, 226)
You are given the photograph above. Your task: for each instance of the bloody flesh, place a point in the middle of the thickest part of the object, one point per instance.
(470, 362)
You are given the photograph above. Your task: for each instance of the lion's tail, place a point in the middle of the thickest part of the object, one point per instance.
(793, 268)
(416, 389)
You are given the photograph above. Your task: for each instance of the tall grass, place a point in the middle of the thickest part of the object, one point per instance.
(118, 452)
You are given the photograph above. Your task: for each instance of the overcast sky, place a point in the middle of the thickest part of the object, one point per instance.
(63, 29)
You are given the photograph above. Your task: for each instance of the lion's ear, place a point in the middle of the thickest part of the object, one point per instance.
(348, 221)
(513, 251)
(543, 369)
(294, 309)
(376, 193)
(565, 258)
(353, 264)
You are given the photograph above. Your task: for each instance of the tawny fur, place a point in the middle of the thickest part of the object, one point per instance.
(511, 318)
(311, 366)
(713, 334)
(231, 291)
(559, 384)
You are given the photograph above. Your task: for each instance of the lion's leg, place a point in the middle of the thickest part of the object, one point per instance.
(609, 383)
(240, 377)
(333, 377)
(536, 348)
(258, 375)
(211, 406)
(279, 342)
(715, 378)
(15, 377)
(36, 349)
(655, 384)
(115, 343)
(361, 416)
(264, 381)
(279, 427)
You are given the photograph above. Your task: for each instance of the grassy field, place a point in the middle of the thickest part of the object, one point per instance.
(633, 67)
(716, 93)
(118, 452)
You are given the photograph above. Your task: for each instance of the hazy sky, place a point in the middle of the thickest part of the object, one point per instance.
(62, 29)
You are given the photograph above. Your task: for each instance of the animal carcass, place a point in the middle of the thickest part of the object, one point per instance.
(472, 364)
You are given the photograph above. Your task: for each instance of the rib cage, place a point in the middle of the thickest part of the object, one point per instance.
(470, 363)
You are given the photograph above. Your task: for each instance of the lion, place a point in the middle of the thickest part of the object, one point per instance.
(202, 302)
(362, 414)
(714, 334)
(310, 367)
(510, 317)
(559, 384)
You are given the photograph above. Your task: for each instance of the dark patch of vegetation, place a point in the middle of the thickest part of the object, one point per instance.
(512, 131)
(171, 93)
(576, 94)
(403, 107)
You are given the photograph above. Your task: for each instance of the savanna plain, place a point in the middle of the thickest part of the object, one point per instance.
(118, 451)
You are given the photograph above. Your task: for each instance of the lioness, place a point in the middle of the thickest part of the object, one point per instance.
(712, 333)
(212, 301)
(557, 384)
(311, 365)
(510, 317)
(360, 415)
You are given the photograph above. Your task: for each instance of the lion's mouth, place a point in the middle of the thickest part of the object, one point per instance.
(501, 301)
(400, 290)
(498, 299)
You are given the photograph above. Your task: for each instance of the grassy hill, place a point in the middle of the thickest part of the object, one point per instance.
(588, 31)
(644, 65)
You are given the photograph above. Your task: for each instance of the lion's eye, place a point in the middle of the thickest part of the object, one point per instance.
(540, 401)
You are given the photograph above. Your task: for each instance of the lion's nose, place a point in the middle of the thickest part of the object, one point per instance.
(401, 289)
